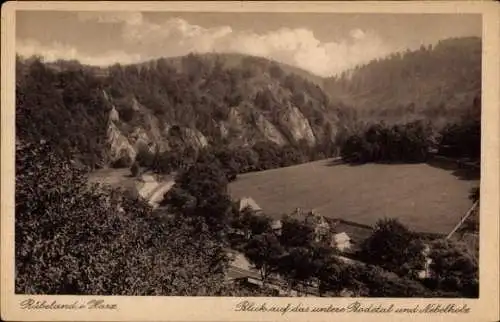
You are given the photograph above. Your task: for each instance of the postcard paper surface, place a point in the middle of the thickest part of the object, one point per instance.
(234, 161)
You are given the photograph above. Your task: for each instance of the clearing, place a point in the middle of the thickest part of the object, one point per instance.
(427, 198)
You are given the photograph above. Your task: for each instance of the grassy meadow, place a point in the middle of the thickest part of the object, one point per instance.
(425, 197)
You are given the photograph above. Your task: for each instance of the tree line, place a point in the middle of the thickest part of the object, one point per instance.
(416, 141)
(264, 155)
(63, 107)
(381, 143)
(433, 82)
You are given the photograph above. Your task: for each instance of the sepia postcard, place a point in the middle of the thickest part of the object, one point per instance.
(250, 161)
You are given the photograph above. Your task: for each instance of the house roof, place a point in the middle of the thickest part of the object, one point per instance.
(248, 202)
(356, 232)
(341, 237)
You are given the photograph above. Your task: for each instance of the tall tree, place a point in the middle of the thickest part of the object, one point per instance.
(296, 233)
(394, 247)
(204, 185)
(264, 251)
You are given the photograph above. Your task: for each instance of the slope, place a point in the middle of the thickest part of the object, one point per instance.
(108, 115)
(432, 82)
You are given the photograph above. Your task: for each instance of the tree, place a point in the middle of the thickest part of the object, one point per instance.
(268, 155)
(124, 161)
(308, 265)
(462, 139)
(295, 233)
(204, 186)
(253, 224)
(474, 194)
(381, 283)
(134, 169)
(453, 268)
(331, 277)
(296, 266)
(227, 160)
(144, 157)
(395, 248)
(264, 251)
(203, 179)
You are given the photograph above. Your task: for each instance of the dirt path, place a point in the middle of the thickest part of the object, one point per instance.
(149, 185)
(156, 195)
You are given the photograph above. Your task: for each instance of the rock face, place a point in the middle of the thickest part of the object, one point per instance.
(194, 138)
(298, 126)
(244, 126)
(119, 145)
(238, 107)
(269, 131)
(113, 115)
(125, 141)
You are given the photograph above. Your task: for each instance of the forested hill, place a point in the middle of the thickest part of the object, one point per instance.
(107, 114)
(432, 83)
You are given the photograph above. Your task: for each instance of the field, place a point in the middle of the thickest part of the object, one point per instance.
(425, 197)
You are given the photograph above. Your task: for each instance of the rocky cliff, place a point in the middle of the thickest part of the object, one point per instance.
(161, 106)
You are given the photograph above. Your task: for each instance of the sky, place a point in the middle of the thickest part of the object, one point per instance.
(323, 43)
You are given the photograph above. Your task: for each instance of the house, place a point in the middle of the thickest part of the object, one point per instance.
(356, 232)
(249, 203)
(341, 241)
(320, 225)
(276, 226)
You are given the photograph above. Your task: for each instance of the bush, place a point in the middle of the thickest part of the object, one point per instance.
(453, 268)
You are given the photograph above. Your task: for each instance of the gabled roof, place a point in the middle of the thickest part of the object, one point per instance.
(248, 202)
(341, 237)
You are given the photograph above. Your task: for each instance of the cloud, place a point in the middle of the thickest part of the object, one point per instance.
(56, 51)
(357, 34)
(298, 47)
(131, 18)
(141, 39)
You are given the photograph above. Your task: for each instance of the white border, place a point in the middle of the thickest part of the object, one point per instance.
(219, 309)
